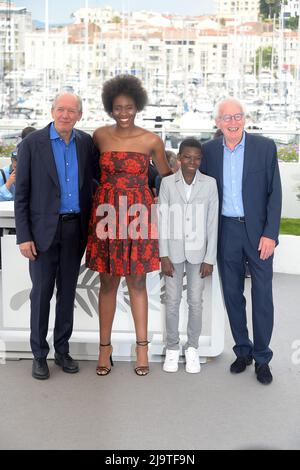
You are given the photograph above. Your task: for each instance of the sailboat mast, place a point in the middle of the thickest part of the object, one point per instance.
(46, 74)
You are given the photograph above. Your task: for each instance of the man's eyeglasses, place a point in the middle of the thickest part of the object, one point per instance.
(229, 117)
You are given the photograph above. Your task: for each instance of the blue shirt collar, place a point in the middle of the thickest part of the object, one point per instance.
(54, 134)
(241, 144)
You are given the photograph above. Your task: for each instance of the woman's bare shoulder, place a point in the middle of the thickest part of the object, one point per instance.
(151, 136)
(102, 134)
(102, 131)
(154, 139)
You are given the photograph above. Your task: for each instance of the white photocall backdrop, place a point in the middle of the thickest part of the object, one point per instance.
(15, 318)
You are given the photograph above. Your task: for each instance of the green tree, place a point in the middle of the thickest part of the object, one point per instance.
(116, 20)
(292, 23)
(263, 58)
(269, 8)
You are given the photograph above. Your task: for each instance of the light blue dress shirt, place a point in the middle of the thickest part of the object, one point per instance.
(67, 169)
(6, 194)
(233, 163)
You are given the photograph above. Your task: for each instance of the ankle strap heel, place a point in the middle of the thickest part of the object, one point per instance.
(102, 370)
(142, 343)
(142, 370)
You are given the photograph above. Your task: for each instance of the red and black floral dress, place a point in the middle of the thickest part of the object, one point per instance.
(123, 227)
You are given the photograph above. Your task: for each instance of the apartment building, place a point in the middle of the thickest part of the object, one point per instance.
(15, 22)
(291, 7)
(158, 52)
(240, 10)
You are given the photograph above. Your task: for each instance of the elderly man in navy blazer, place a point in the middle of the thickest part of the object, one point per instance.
(56, 167)
(247, 173)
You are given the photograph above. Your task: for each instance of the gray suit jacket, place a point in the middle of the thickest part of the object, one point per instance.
(188, 230)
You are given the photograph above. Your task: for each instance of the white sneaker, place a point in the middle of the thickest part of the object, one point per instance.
(192, 365)
(171, 360)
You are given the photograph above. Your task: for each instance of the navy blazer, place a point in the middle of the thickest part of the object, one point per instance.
(37, 197)
(261, 186)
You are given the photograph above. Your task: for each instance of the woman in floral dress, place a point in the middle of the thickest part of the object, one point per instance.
(123, 233)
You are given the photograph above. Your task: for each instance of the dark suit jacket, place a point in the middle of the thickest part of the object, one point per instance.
(37, 198)
(261, 187)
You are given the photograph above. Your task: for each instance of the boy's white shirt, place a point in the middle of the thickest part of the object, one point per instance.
(188, 187)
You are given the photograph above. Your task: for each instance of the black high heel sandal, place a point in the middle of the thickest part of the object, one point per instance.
(142, 370)
(102, 370)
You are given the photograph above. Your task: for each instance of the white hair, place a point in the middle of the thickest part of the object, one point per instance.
(221, 103)
(64, 93)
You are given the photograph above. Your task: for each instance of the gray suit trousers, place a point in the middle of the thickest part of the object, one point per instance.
(174, 286)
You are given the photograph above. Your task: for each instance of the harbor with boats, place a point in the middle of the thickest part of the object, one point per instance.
(187, 64)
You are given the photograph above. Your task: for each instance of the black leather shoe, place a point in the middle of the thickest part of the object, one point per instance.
(67, 363)
(240, 364)
(40, 369)
(263, 373)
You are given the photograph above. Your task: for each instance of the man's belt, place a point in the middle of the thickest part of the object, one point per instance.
(238, 219)
(66, 217)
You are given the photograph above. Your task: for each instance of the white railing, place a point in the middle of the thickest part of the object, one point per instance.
(163, 129)
(11, 130)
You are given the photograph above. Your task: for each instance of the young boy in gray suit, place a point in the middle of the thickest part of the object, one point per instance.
(188, 230)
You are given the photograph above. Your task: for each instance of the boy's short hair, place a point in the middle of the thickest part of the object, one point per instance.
(191, 142)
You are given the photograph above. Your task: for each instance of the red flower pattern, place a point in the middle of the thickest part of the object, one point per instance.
(123, 174)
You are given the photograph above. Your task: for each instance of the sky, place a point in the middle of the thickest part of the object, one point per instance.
(60, 10)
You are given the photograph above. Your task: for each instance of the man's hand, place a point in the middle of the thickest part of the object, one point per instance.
(11, 180)
(28, 250)
(266, 247)
(167, 267)
(206, 269)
